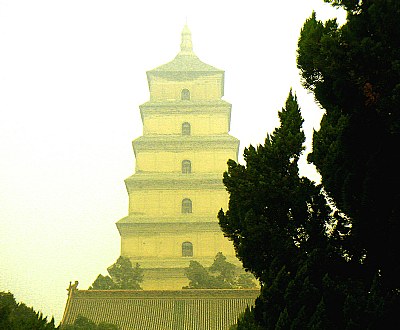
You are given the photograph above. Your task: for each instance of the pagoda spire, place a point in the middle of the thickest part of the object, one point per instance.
(186, 43)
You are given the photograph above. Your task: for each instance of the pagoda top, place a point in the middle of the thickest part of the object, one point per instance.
(186, 60)
(186, 43)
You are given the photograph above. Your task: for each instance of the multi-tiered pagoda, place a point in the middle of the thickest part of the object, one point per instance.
(174, 197)
(177, 190)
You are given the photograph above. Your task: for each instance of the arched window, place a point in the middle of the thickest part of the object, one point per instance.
(185, 128)
(185, 94)
(186, 166)
(186, 205)
(187, 249)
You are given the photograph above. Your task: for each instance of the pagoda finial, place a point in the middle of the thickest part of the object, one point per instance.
(186, 43)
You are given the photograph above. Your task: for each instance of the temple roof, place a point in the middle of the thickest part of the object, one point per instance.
(159, 310)
(186, 60)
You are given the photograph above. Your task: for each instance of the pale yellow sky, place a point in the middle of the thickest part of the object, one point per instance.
(72, 75)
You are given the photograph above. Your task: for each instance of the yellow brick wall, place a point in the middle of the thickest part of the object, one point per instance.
(164, 246)
(201, 124)
(202, 88)
(207, 161)
(169, 202)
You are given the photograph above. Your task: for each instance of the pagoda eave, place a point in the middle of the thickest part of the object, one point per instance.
(178, 143)
(173, 181)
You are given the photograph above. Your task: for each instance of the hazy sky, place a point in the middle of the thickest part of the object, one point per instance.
(72, 75)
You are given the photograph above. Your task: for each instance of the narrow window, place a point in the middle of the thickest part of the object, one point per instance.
(185, 128)
(186, 205)
(185, 94)
(187, 249)
(186, 166)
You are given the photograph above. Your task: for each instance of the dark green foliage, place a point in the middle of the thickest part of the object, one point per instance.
(103, 283)
(319, 320)
(220, 275)
(276, 221)
(122, 277)
(223, 270)
(283, 322)
(200, 278)
(285, 231)
(354, 72)
(268, 200)
(245, 281)
(267, 197)
(17, 316)
(83, 323)
(246, 321)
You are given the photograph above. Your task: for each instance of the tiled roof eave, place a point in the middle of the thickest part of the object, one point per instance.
(157, 310)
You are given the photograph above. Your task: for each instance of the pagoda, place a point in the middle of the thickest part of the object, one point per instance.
(174, 197)
(177, 190)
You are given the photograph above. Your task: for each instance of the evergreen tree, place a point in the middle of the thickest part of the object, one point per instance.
(319, 319)
(272, 210)
(122, 276)
(327, 256)
(267, 198)
(246, 321)
(200, 278)
(283, 321)
(103, 283)
(220, 275)
(17, 316)
(284, 229)
(354, 73)
(276, 220)
(223, 270)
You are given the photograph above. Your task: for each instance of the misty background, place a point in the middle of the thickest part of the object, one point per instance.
(72, 75)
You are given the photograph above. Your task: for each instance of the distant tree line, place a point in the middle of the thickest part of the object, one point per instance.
(327, 255)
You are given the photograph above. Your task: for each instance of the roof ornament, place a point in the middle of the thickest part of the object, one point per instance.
(72, 287)
(186, 43)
